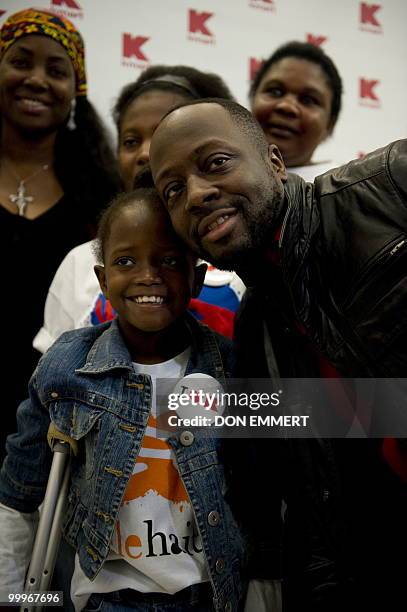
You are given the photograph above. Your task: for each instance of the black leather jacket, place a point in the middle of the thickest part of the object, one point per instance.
(344, 258)
(343, 278)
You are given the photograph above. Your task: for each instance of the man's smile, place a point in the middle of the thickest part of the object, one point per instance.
(214, 220)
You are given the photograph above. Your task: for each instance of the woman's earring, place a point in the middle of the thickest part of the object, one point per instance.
(71, 120)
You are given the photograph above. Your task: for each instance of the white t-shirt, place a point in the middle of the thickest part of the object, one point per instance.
(311, 171)
(156, 546)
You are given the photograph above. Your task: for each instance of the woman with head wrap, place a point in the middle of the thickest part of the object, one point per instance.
(56, 172)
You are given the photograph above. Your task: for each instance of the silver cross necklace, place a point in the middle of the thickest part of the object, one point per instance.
(21, 199)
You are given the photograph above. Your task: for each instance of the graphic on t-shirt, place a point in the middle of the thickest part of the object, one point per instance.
(156, 530)
(155, 471)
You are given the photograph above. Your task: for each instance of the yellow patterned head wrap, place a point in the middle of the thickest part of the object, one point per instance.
(35, 21)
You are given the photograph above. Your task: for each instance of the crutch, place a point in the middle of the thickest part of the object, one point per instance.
(48, 535)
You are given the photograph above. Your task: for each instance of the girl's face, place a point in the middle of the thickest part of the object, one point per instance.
(37, 84)
(137, 127)
(148, 275)
(293, 106)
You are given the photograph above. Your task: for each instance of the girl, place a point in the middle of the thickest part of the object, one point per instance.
(146, 518)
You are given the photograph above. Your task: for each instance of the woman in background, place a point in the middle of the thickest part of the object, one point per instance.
(56, 172)
(296, 98)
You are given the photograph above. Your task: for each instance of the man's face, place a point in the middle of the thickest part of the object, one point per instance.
(222, 193)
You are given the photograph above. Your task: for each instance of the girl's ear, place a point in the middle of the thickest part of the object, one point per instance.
(101, 276)
(200, 272)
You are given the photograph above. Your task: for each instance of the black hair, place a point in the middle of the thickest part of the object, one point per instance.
(111, 212)
(85, 164)
(144, 178)
(311, 53)
(188, 82)
(240, 116)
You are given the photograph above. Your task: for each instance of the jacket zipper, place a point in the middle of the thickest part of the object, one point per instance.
(369, 273)
(397, 247)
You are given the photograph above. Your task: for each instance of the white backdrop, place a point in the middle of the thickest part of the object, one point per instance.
(366, 40)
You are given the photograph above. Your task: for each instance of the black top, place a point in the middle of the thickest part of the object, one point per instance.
(31, 251)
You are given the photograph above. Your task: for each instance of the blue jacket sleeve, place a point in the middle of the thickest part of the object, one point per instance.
(24, 474)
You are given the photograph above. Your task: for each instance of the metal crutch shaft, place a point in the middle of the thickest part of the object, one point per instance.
(48, 533)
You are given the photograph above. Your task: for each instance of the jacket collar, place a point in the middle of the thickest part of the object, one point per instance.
(108, 352)
(299, 226)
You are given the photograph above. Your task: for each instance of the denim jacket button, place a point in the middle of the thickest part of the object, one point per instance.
(220, 565)
(213, 518)
(186, 438)
(228, 606)
(54, 395)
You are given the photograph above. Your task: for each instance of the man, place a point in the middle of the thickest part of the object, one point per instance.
(327, 263)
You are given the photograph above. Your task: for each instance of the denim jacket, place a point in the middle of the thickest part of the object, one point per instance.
(87, 385)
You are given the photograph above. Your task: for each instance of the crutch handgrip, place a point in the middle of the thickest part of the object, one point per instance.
(54, 436)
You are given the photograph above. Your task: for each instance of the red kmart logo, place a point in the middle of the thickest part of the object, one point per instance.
(67, 4)
(318, 41)
(67, 8)
(367, 92)
(198, 27)
(254, 67)
(263, 5)
(133, 52)
(368, 19)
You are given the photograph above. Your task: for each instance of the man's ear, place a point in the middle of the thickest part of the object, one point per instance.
(101, 276)
(200, 272)
(277, 162)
